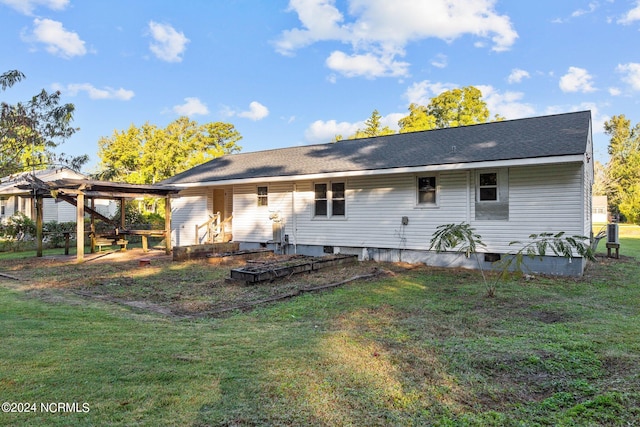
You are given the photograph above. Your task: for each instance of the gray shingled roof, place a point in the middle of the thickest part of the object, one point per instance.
(546, 136)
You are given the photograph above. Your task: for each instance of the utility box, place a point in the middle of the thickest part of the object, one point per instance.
(612, 233)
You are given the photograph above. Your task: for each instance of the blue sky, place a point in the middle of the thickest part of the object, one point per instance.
(294, 72)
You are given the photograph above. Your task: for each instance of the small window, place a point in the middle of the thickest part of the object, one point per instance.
(320, 200)
(337, 199)
(263, 196)
(427, 190)
(488, 187)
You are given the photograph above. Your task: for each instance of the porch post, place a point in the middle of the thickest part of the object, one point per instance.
(92, 228)
(167, 224)
(39, 221)
(122, 216)
(80, 228)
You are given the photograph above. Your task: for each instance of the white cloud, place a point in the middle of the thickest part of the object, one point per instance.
(592, 8)
(168, 44)
(367, 65)
(507, 104)
(421, 92)
(256, 112)
(517, 75)
(440, 61)
(381, 29)
(321, 131)
(27, 7)
(94, 93)
(631, 74)
(391, 120)
(632, 15)
(191, 107)
(57, 40)
(614, 91)
(577, 80)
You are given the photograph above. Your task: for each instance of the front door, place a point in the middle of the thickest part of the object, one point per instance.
(220, 205)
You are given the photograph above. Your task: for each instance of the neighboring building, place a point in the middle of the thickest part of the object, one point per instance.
(599, 208)
(14, 199)
(382, 198)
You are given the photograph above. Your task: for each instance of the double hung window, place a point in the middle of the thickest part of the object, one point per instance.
(329, 200)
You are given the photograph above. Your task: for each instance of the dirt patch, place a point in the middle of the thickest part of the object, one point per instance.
(186, 289)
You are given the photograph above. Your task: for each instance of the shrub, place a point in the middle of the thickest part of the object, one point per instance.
(54, 232)
(19, 227)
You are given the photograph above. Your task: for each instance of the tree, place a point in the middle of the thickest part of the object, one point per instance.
(417, 120)
(31, 130)
(455, 107)
(149, 154)
(623, 168)
(373, 128)
(600, 179)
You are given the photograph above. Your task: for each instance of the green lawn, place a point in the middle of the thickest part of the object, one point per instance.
(419, 347)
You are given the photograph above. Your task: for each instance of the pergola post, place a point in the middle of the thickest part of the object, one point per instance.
(80, 227)
(122, 213)
(39, 221)
(92, 228)
(167, 224)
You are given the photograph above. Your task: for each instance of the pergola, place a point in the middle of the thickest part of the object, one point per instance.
(79, 191)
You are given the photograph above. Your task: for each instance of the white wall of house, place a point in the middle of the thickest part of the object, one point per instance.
(541, 199)
(187, 211)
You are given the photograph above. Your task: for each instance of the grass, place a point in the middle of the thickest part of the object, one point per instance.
(418, 346)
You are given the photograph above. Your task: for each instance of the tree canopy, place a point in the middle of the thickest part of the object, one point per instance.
(31, 130)
(149, 154)
(452, 108)
(455, 107)
(623, 168)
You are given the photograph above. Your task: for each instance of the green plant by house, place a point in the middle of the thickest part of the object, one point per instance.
(557, 243)
(463, 239)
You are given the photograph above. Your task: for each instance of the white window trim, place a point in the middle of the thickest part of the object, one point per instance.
(416, 191)
(329, 200)
(258, 205)
(497, 186)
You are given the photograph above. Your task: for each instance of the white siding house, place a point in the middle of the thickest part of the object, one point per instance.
(383, 198)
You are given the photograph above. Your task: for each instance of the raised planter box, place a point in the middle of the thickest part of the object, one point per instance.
(274, 270)
(231, 257)
(183, 253)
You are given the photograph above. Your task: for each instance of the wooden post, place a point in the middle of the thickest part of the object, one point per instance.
(167, 224)
(39, 221)
(67, 237)
(122, 216)
(80, 228)
(92, 236)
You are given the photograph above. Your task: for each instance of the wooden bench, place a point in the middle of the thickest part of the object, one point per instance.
(104, 241)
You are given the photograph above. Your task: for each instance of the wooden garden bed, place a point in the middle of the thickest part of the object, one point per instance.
(262, 271)
(231, 257)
